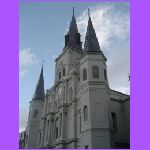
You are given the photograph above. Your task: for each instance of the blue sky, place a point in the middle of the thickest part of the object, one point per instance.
(42, 27)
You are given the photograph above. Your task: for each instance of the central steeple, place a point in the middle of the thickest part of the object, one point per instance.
(72, 39)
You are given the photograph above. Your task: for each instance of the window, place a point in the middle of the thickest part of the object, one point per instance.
(59, 75)
(95, 72)
(56, 128)
(60, 127)
(47, 130)
(64, 72)
(56, 132)
(85, 113)
(66, 40)
(77, 37)
(105, 74)
(114, 122)
(80, 124)
(35, 115)
(70, 94)
(84, 74)
(40, 139)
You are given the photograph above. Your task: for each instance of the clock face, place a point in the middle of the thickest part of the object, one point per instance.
(60, 91)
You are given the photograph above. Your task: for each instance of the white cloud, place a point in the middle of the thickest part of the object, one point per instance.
(123, 89)
(22, 73)
(108, 20)
(27, 57)
(23, 116)
(112, 25)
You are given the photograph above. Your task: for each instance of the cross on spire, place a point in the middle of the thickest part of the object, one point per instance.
(89, 12)
(43, 63)
(73, 10)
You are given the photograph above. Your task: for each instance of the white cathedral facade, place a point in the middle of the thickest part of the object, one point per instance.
(80, 110)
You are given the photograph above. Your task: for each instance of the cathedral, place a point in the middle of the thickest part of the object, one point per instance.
(79, 110)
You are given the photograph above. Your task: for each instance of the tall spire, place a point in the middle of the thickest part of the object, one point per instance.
(73, 10)
(91, 42)
(73, 25)
(89, 12)
(39, 91)
(72, 38)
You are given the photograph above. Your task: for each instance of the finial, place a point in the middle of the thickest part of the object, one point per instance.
(89, 12)
(43, 63)
(73, 10)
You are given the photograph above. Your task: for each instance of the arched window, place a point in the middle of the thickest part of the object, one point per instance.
(35, 115)
(64, 72)
(70, 94)
(114, 121)
(40, 138)
(95, 72)
(85, 112)
(56, 128)
(84, 74)
(59, 75)
(77, 37)
(105, 74)
(66, 40)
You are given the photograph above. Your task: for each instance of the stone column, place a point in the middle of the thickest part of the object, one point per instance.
(44, 128)
(50, 133)
(45, 135)
(60, 125)
(48, 124)
(63, 125)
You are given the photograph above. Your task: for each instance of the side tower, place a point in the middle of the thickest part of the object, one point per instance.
(35, 110)
(94, 94)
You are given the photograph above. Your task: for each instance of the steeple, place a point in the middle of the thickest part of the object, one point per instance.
(72, 38)
(39, 91)
(91, 42)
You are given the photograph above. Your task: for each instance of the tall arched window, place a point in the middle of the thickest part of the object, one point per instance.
(56, 128)
(114, 121)
(40, 138)
(95, 72)
(85, 112)
(84, 74)
(59, 75)
(70, 94)
(35, 115)
(64, 72)
(105, 74)
(66, 40)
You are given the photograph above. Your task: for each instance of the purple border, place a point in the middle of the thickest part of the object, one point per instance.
(74, 0)
(140, 23)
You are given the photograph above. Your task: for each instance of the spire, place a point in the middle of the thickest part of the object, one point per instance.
(73, 10)
(39, 91)
(91, 42)
(89, 12)
(72, 38)
(73, 25)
